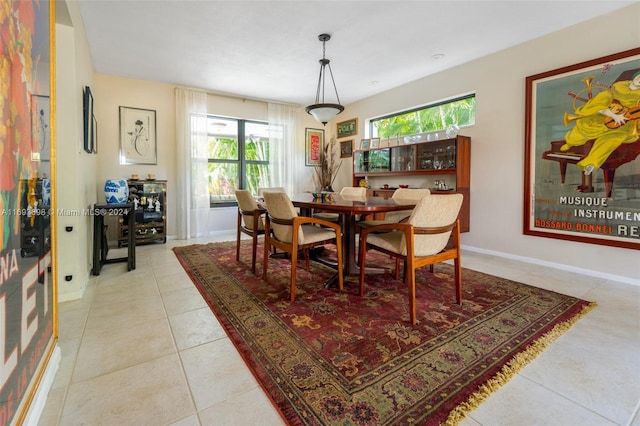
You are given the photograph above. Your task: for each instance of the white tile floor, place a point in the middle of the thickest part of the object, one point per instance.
(142, 348)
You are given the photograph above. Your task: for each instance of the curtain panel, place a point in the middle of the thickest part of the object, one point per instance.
(192, 164)
(283, 120)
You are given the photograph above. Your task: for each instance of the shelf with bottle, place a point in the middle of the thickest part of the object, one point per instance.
(443, 160)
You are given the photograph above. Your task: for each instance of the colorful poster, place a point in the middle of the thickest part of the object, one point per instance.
(26, 285)
(582, 172)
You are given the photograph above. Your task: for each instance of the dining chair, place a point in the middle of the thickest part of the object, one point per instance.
(348, 192)
(250, 222)
(286, 230)
(430, 235)
(411, 194)
(262, 190)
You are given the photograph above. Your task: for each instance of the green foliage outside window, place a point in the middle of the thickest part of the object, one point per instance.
(461, 112)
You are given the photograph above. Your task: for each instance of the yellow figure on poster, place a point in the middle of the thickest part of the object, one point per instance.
(610, 119)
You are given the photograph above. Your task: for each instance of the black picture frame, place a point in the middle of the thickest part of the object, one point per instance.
(95, 135)
(88, 120)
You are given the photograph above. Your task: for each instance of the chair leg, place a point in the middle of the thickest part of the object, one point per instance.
(253, 252)
(362, 261)
(265, 262)
(294, 260)
(458, 279)
(411, 283)
(238, 239)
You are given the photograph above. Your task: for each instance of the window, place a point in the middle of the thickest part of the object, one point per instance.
(439, 116)
(233, 164)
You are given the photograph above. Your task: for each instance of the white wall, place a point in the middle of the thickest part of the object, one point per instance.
(75, 169)
(497, 139)
(497, 153)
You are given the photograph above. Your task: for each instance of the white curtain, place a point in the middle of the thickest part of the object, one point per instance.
(192, 167)
(283, 120)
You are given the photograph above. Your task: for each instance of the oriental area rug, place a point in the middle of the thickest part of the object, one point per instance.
(335, 358)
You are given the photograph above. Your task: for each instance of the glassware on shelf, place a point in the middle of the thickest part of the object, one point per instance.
(452, 131)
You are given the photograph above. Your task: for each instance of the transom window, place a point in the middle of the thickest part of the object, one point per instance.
(460, 112)
(238, 158)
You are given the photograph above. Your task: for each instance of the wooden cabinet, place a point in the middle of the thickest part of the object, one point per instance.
(149, 198)
(446, 158)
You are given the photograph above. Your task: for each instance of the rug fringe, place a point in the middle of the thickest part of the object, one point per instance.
(512, 368)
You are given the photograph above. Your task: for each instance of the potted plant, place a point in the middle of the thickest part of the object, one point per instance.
(330, 163)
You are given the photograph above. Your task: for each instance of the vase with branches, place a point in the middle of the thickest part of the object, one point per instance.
(327, 170)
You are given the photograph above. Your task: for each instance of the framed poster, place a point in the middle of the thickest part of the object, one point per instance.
(582, 142)
(88, 120)
(28, 272)
(314, 144)
(138, 136)
(95, 135)
(347, 128)
(346, 149)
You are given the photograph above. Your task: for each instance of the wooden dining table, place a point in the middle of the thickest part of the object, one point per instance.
(349, 208)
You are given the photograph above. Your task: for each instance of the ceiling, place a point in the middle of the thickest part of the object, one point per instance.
(270, 50)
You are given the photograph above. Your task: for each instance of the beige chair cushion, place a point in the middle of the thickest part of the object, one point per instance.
(261, 191)
(411, 194)
(247, 203)
(280, 206)
(431, 211)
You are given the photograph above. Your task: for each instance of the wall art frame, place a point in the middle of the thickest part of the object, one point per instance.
(95, 134)
(347, 128)
(28, 223)
(314, 145)
(87, 106)
(346, 148)
(138, 144)
(581, 172)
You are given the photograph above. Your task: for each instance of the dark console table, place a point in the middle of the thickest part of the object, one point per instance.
(100, 246)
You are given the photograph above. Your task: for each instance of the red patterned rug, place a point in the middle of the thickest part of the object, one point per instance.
(341, 359)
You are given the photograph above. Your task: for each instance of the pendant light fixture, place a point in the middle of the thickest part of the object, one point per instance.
(324, 112)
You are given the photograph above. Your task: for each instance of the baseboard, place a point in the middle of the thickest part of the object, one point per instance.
(40, 399)
(560, 266)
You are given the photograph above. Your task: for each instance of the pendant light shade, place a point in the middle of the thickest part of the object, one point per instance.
(321, 111)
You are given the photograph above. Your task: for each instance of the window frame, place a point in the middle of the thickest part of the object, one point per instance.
(241, 161)
(420, 108)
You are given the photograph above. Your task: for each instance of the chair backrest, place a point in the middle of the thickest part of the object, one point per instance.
(261, 191)
(410, 194)
(246, 203)
(279, 206)
(434, 211)
(351, 192)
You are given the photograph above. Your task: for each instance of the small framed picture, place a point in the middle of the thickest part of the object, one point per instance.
(364, 144)
(347, 128)
(346, 149)
(314, 145)
(138, 136)
(375, 143)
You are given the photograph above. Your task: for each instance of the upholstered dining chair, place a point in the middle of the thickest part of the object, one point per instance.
(412, 194)
(348, 192)
(262, 190)
(286, 230)
(430, 235)
(250, 222)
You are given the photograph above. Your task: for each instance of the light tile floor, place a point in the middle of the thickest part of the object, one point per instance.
(142, 348)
